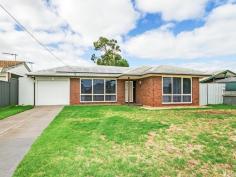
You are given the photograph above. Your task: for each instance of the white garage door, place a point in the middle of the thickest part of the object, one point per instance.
(52, 92)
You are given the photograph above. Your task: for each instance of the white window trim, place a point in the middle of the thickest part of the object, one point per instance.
(182, 94)
(92, 94)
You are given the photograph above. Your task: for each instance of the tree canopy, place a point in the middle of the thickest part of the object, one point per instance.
(110, 53)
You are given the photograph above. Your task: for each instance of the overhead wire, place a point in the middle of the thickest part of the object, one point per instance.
(20, 25)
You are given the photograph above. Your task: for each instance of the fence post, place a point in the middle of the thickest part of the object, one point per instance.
(207, 93)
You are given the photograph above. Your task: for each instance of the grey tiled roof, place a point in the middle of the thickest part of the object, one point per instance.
(137, 71)
(99, 71)
(165, 69)
(92, 69)
(112, 71)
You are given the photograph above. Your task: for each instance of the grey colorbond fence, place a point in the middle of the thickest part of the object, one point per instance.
(9, 92)
(211, 93)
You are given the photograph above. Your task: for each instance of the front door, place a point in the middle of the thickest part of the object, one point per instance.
(129, 96)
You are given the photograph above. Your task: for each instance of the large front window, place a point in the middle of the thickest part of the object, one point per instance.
(98, 90)
(177, 90)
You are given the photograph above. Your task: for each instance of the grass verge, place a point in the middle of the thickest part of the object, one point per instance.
(12, 110)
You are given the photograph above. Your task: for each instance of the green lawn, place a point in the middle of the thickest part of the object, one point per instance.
(131, 141)
(12, 110)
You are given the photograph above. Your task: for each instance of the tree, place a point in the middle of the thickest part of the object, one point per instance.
(110, 53)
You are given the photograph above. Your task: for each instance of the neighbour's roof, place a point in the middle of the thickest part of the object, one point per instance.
(9, 63)
(6, 65)
(218, 75)
(227, 80)
(113, 71)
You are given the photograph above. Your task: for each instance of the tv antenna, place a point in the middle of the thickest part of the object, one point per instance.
(12, 54)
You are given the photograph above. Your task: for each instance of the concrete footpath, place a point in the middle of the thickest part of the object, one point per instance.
(18, 132)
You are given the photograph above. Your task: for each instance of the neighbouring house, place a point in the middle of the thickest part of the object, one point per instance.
(12, 69)
(218, 75)
(211, 91)
(229, 95)
(150, 86)
(11, 73)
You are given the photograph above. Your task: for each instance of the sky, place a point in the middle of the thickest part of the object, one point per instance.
(198, 34)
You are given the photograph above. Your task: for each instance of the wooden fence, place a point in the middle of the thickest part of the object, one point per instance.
(9, 92)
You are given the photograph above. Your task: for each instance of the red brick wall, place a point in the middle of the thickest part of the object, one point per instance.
(74, 91)
(195, 91)
(149, 92)
(121, 91)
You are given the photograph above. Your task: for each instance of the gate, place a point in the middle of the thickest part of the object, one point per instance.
(211, 93)
(9, 92)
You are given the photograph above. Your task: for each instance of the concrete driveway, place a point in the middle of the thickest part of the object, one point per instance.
(18, 132)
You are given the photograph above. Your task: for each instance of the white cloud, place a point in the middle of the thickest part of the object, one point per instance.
(39, 18)
(33, 14)
(19, 42)
(113, 18)
(173, 9)
(93, 18)
(210, 66)
(216, 38)
(89, 20)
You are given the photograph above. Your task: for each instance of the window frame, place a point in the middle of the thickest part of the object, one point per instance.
(92, 94)
(181, 94)
(81, 88)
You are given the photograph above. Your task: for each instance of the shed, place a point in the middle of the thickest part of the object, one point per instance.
(218, 75)
(212, 91)
(229, 95)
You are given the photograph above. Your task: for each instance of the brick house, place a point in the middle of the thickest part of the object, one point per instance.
(150, 86)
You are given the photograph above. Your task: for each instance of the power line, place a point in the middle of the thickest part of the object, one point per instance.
(31, 34)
